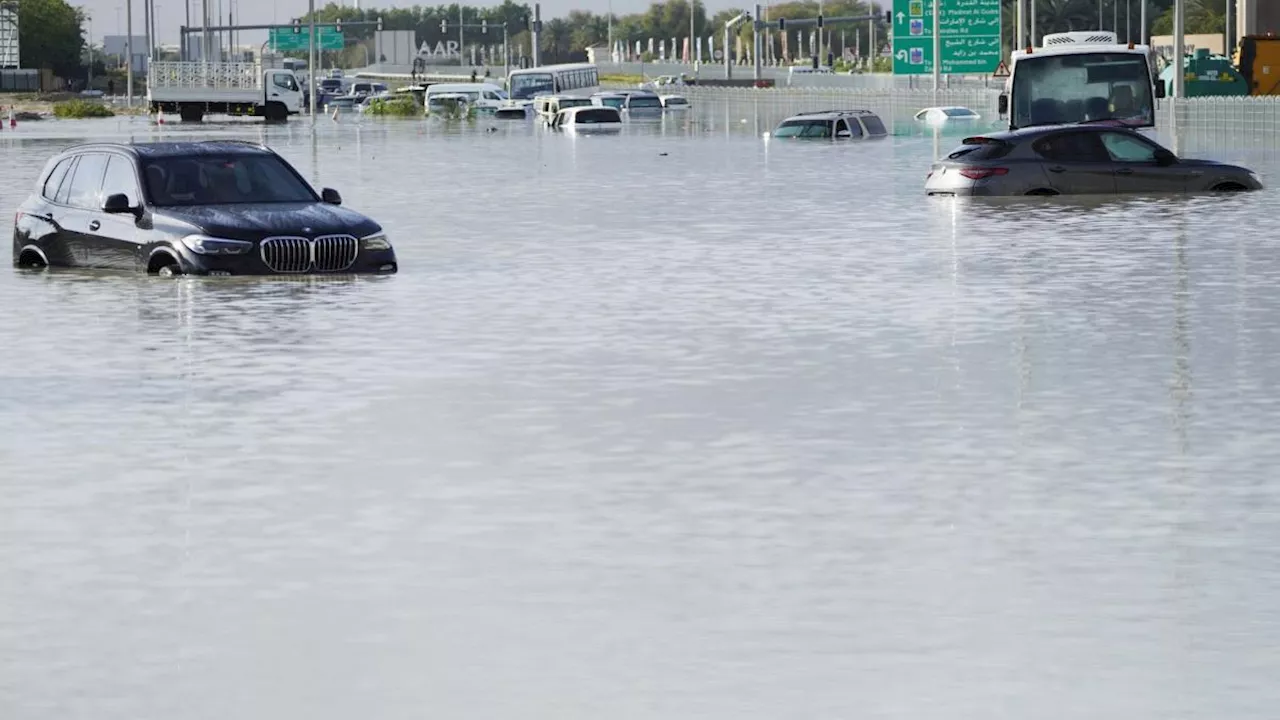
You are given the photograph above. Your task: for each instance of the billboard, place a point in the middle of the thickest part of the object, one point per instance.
(8, 35)
(394, 47)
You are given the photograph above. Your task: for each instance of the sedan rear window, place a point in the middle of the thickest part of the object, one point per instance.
(592, 117)
(223, 180)
(980, 148)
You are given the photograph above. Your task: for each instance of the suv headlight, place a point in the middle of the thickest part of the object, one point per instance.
(205, 245)
(376, 241)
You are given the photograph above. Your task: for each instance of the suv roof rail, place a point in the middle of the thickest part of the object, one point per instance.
(835, 112)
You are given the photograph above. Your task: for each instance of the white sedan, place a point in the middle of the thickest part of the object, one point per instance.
(944, 115)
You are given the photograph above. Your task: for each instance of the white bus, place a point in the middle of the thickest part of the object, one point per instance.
(576, 79)
(1082, 77)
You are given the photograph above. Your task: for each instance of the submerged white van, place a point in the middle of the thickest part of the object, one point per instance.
(482, 96)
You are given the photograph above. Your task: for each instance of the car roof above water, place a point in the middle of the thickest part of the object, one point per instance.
(177, 149)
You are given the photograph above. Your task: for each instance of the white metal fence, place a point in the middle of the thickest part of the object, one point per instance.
(1201, 123)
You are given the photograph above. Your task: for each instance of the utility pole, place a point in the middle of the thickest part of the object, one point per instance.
(128, 51)
(146, 24)
(693, 4)
(1020, 23)
(537, 33)
(1035, 27)
(1142, 32)
(1179, 48)
(461, 52)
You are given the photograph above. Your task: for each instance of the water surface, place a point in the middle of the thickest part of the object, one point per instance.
(677, 423)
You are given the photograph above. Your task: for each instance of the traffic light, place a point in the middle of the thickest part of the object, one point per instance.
(484, 27)
(379, 23)
(297, 26)
(782, 24)
(337, 25)
(819, 22)
(444, 26)
(888, 17)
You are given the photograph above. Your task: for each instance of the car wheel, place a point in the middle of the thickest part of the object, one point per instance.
(163, 265)
(1229, 187)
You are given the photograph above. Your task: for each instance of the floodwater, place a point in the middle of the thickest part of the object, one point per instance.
(678, 423)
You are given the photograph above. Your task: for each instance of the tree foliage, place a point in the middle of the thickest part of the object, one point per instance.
(566, 38)
(49, 36)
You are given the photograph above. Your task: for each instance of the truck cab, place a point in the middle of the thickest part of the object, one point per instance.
(1081, 77)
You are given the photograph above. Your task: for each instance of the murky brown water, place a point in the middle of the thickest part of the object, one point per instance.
(674, 424)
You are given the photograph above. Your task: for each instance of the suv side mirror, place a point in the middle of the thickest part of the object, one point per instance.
(1003, 104)
(1165, 157)
(118, 204)
(330, 196)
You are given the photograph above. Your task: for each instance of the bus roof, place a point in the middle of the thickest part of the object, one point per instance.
(542, 69)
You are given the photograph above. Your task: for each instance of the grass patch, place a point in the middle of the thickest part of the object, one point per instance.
(395, 107)
(81, 109)
(621, 79)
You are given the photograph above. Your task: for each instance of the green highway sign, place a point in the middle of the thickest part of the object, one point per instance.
(285, 39)
(970, 32)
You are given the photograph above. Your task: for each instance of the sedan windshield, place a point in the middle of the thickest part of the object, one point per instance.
(219, 180)
(1080, 87)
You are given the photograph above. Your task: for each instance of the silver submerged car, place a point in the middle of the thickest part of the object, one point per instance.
(828, 124)
(1077, 160)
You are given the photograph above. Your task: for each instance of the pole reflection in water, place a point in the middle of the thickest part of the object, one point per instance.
(315, 159)
(1180, 390)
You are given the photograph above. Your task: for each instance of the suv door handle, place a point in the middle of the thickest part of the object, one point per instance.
(95, 225)
(1125, 171)
(1057, 169)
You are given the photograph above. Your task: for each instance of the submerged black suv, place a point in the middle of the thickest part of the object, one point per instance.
(201, 208)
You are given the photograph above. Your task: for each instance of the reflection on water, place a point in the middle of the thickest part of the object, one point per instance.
(675, 423)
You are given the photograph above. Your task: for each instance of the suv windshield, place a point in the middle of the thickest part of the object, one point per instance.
(223, 180)
(804, 128)
(1055, 89)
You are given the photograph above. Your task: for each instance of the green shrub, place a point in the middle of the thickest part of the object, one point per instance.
(395, 107)
(81, 109)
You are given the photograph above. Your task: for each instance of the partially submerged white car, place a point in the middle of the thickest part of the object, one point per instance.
(945, 115)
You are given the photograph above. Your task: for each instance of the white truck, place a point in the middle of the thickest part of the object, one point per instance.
(194, 89)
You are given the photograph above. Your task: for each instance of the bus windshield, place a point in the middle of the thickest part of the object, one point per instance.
(524, 86)
(1082, 87)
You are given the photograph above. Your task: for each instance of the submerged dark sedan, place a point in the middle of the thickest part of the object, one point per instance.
(1086, 159)
(199, 208)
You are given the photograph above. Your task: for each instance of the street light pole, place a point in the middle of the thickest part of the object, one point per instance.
(693, 4)
(128, 51)
(311, 61)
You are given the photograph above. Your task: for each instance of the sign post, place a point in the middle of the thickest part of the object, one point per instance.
(968, 37)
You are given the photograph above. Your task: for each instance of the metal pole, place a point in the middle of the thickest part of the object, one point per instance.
(88, 83)
(146, 25)
(1142, 21)
(1020, 23)
(1100, 25)
(1128, 21)
(871, 38)
(937, 47)
(1115, 17)
(1179, 47)
(460, 40)
(537, 27)
(755, 41)
(1034, 24)
(506, 53)
(820, 31)
(692, 4)
(128, 51)
(728, 66)
(1226, 30)
(311, 61)
(182, 43)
